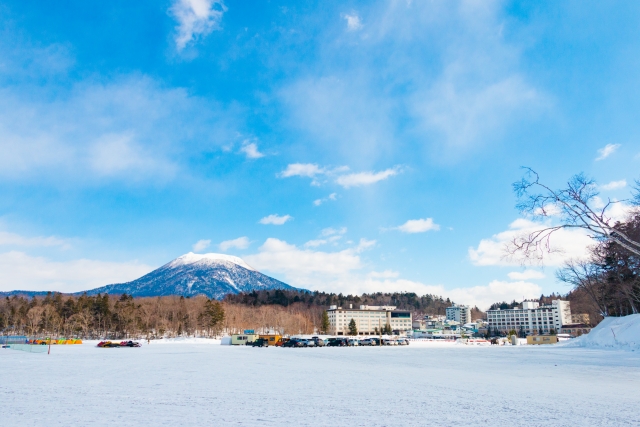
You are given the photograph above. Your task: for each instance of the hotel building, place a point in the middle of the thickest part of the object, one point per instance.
(531, 318)
(370, 319)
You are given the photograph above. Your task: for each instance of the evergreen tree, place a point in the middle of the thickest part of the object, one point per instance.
(324, 326)
(212, 315)
(353, 330)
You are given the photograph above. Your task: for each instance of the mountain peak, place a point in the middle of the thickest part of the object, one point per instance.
(209, 259)
(213, 275)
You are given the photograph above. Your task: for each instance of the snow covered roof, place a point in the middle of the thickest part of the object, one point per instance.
(208, 259)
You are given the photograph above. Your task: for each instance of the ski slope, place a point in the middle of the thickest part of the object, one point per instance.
(189, 383)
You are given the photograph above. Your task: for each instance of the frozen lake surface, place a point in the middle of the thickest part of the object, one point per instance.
(440, 385)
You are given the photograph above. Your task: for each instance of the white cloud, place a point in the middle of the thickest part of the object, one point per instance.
(328, 235)
(565, 243)
(606, 151)
(301, 266)
(23, 272)
(342, 271)
(616, 211)
(115, 154)
(196, 18)
(332, 196)
(129, 129)
(275, 219)
(386, 274)
(365, 178)
(614, 185)
(353, 21)
(201, 245)
(418, 226)
(526, 275)
(342, 178)
(365, 244)
(465, 115)
(496, 291)
(315, 243)
(330, 231)
(239, 243)
(250, 149)
(13, 239)
(301, 169)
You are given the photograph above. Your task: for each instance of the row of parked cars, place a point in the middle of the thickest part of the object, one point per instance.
(329, 342)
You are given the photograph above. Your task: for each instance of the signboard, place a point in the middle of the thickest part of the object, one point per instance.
(249, 331)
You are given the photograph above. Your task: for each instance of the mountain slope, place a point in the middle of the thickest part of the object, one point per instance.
(213, 275)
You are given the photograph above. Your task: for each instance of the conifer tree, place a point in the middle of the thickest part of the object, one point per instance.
(324, 326)
(353, 330)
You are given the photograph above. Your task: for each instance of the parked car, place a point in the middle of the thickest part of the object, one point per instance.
(353, 342)
(260, 342)
(281, 342)
(291, 343)
(403, 341)
(337, 342)
(375, 341)
(310, 343)
(318, 341)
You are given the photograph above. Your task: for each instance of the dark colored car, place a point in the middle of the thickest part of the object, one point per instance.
(295, 343)
(337, 342)
(260, 342)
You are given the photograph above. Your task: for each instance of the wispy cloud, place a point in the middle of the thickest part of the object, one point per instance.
(129, 129)
(196, 18)
(332, 196)
(309, 170)
(13, 239)
(201, 245)
(327, 235)
(25, 272)
(275, 219)
(614, 185)
(353, 21)
(339, 175)
(606, 151)
(366, 178)
(526, 275)
(239, 243)
(418, 226)
(250, 149)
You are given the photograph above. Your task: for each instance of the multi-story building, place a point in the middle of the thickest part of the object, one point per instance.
(370, 319)
(531, 318)
(459, 313)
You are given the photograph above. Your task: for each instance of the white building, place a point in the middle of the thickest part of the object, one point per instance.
(368, 318)
(459, 313)
(531, 318)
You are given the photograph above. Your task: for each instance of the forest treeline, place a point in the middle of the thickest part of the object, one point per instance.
(109, 316)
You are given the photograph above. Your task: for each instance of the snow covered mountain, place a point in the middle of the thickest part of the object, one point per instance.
(213, 275)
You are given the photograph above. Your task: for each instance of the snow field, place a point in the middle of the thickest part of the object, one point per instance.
(443, 385)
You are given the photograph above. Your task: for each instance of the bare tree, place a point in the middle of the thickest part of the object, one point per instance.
(578, 208)
(590, 278)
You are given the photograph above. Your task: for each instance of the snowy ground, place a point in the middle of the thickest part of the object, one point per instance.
(445, 385)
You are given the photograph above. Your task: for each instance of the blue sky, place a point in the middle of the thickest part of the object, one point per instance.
(346, 146)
